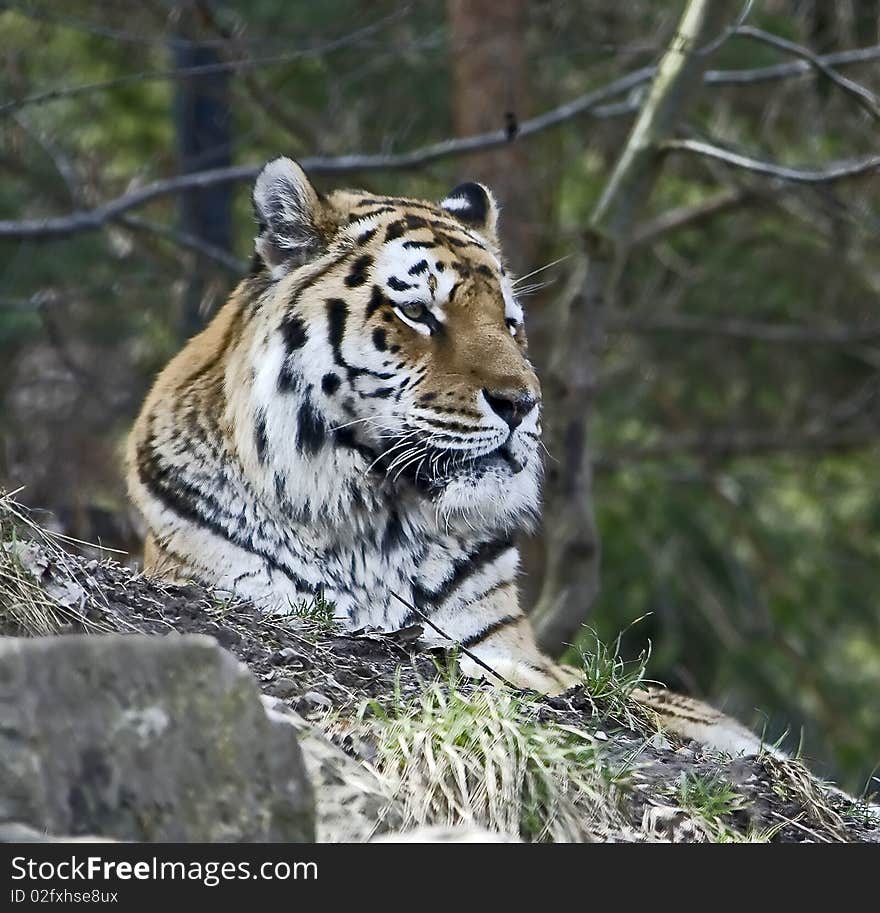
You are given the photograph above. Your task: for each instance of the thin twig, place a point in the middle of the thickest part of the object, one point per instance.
(594, 103)
(423, 617)
(836, 171)
(90, 220)
(688, 216)
(864, 97)
(793, 68)
(218, 255)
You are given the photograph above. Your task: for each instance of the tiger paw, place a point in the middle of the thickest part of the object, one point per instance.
(545, 678)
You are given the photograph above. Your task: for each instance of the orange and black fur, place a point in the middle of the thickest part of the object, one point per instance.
(361, 420)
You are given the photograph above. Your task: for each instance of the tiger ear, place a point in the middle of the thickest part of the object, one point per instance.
(474, 205)
(290, 215)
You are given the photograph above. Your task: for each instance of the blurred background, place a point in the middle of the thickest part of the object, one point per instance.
(713, 426)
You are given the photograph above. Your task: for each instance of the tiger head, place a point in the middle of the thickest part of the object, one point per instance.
(398, 327)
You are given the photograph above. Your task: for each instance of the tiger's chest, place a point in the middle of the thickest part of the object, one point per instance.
(369, 564)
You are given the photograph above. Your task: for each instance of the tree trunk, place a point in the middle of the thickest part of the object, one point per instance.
(204, 140)
(489, 67)
(571, 578)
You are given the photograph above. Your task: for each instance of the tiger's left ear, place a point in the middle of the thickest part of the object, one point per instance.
(474, 205)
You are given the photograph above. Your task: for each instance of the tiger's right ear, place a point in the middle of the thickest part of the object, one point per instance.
(290, 215)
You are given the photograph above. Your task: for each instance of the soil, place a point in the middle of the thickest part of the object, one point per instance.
(313, 667)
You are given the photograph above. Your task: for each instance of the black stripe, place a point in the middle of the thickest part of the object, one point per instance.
(454, 426)
(373, 212)
(311, 430)
(462, 570)
(344, 437)
(169, 486)
(377, 299)
(359, 269)
(260, 439)
(337, 315)
(330, 383)
(490, 629)
(293, 329)
(380, 393)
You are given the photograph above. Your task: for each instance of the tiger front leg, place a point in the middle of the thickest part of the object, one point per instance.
(514, 658)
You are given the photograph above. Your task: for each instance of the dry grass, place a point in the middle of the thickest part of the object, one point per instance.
(30, 604)
(451, 752)
(459, 756)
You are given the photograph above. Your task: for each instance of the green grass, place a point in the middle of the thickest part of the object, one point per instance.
(610, 680)
(708, 797)
(318, 611)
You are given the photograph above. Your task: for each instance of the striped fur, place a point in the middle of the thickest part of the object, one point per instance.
(360, 419)
(329, 432)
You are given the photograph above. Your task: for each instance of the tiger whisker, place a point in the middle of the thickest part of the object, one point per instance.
(540, 269)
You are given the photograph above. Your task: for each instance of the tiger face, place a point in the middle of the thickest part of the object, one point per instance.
(398, 326)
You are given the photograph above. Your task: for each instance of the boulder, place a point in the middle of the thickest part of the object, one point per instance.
(145, 738)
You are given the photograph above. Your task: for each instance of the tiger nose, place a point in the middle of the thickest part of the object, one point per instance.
(511, 405)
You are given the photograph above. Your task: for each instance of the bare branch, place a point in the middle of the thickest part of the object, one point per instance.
(90, 220)
(457, 644)
(184, 239)
(597, 103)
(749, 330)
(836, 171)
(791, 69)
(865, 98)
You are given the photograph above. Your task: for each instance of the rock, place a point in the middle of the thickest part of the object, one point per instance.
(15, 832)
(441, 834)
(144, 738)
(352, 802)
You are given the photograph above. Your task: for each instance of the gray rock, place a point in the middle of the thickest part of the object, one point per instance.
(440, 834)
(145, 738)
(353, 804)
(14, 832)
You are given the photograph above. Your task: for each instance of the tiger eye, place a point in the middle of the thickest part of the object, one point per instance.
(413, 310)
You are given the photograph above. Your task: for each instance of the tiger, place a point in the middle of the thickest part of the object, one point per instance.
(361, 423)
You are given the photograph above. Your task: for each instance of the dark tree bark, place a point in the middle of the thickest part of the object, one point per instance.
(204, 140)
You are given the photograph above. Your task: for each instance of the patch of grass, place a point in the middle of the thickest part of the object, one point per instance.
(610, 681)
(712, 801)
(752, 835)
(29, 607)
(711, 798)
(319, 612)
(794, 784)
(478, 757)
